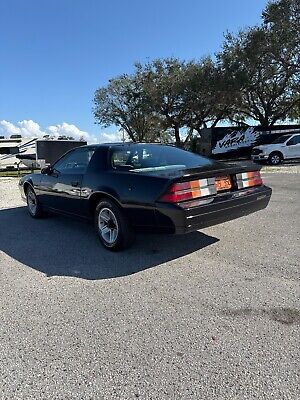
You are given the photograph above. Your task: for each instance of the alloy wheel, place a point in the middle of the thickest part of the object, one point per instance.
(31, 201)
(275, 159)
(108, 226)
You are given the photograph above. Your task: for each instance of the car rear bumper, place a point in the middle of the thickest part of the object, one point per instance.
(259, 157)
(220, 209)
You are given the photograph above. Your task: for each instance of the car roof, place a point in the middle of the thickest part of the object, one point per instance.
(110, 144)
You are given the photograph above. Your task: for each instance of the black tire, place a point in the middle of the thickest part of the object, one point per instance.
(33, 205)
(116, 232)
(275, 158)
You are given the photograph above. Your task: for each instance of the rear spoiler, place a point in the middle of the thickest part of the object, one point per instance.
(229, 169)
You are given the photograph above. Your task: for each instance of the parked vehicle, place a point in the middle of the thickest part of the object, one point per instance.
(12, 148)
(130, 187)
(32, 152)
(285, 147)
(233, 142)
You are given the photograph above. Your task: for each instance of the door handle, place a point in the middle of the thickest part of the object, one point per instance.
(74, 183)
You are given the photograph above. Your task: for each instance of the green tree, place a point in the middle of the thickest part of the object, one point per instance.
(123, 103)
(264, 62)
(255, 77)
(164, 86)
(209, 96)
(282, 20)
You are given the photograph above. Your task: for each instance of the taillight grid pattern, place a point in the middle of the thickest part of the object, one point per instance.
(190, 190)
(195, 189)
(248, 179)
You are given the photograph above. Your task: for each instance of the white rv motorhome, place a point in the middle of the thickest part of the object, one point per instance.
(18, 152)
(12, 148)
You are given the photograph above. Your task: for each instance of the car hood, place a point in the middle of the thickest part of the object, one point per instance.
(266, 146)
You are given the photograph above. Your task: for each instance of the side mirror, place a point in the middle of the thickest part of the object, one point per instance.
(47, 170)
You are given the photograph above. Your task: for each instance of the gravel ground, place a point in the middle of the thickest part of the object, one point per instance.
(210, 315)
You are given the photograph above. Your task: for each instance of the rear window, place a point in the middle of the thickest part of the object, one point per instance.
(143, 158)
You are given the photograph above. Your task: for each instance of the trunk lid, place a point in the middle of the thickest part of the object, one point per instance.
(217, 169)
(181, 171)
(193, 183)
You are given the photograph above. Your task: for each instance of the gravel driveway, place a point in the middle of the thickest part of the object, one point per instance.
(210, 315)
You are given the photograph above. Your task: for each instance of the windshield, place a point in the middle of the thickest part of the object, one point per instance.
(148, 158)
(282, 139)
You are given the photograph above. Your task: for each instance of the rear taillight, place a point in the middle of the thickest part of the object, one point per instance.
(185, 191)
(248, 179)
(189, 190)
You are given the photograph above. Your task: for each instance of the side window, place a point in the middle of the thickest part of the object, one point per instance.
(137, 159)
(120, 158)
(294, 140)
(297, 139)
(75, 162)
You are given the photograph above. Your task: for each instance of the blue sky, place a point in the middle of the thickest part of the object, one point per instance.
(55, 53)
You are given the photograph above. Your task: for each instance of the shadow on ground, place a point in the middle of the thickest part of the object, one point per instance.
(285, 316)
(59, 246)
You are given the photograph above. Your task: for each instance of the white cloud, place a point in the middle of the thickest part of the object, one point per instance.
(29, 128)
(65, 129)
(7, 128)
(110, 137)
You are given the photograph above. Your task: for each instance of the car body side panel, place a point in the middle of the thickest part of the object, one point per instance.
(62, 193)
(135, 194)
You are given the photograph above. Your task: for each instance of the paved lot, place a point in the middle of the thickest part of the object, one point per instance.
(211, 315)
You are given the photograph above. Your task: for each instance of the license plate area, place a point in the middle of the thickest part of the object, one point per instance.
(223, 183)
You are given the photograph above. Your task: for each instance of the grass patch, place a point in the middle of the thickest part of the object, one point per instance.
(16, 174)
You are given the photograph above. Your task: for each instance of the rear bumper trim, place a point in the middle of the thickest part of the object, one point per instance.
(229, 208)
(184, 221)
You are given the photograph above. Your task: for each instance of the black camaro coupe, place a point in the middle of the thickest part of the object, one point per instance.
(150, 187)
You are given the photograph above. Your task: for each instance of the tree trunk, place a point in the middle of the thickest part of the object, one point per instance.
(264, 122)
(177, 135)
(129, 132)
(188, 136)
(215, 123)
(199, 130)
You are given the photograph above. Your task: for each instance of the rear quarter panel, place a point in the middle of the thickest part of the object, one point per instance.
(135, 193)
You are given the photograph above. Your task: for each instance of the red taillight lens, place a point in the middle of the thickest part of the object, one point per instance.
(248, 179)
(180, 192)
(255, 178)
(188, 190)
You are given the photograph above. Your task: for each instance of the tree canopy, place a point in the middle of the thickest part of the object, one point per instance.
(255, 77)
(267, 78)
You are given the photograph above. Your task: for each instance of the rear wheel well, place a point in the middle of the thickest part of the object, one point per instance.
(276, 152)
(96, 198)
